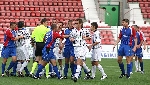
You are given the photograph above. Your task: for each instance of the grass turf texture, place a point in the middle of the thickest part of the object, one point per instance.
(111, 69)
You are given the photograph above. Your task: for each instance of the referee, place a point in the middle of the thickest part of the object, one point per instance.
(38, 37)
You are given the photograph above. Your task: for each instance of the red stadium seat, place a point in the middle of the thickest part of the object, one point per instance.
(27, 8)
(11, 3)
(64, 4)
(144, 0)
(20, 3)
(46, 9)
(60, 3)
(40, 3)
(61, 9)
(139, 0)
(16, 3)
(144, 15)
(22, 8)
(33, 14)
(134, 0)
(37, 9)
(7, 8)
(35, 3)
(45, 3)
(50, 3)
(17, 8)
(6, 2)
(38, 14)
(41, 8)
(1, 3)
(31, 8)
(146, 4)
(48, 14)
(43, 14)
(55, 3)
(18, 14)
(26, 3)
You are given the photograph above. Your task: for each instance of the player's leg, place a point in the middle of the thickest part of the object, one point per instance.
(38, 54)
(136, 64)
(72, 65)
(66, 67)
(97, 58)
(119, 60)
(72, 58)
(60, 66)
(128, 53)
(5, 56)
(67, 57)
(3, 65)
(14, 60)
(140, 55)
(131, 64)
(87, 71)
(79, 63)
(40, 67)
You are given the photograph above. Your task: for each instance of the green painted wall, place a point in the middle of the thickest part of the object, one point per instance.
(111, 14)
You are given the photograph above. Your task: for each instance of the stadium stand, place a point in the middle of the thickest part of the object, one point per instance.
(144, 6)
(31, 11)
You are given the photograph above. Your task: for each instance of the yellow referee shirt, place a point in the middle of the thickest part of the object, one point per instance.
(39, 33)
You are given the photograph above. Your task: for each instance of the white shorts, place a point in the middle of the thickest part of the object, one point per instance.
(22, 53)
(56, 53)
(96, 54)
(80, 52)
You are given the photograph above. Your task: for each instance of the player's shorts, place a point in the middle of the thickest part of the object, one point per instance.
(68, 51)
(79, 52)
(8, 52)
(125, 50)
(39, 48)
(22, 53)
(86, 52)
(139, 53)
(48, 54)
(96, 54)
(56, 53)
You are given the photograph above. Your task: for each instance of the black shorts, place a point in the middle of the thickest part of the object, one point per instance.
(39, 48)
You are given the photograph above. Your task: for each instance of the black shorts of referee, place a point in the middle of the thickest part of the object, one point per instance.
(39, 48)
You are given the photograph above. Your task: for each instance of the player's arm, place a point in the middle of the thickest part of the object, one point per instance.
(87, 35)
(10, 35)
(66, 33)
(97, 41)
(72, 36)
(141, 41)
(56, 35)
(144, 41)
(134, 36)
(118, 39)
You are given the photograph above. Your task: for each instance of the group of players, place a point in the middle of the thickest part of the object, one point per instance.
(53, 43)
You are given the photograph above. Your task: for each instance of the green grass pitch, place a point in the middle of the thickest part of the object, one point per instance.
(111, 69)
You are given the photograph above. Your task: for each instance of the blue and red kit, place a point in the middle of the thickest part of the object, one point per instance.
(50, 39)
(9, 48)
(126, 36)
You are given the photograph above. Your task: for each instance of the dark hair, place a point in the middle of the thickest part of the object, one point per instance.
(136, 26)
(43, 20)
(61, 23)
(20, 24)
(80, 22)
(126, 20)
(70, 21)
(94, 24)
(11, 23)
(53, 26)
